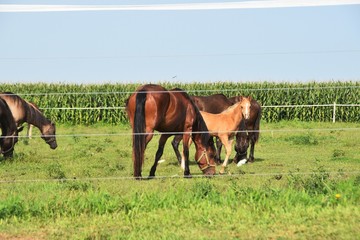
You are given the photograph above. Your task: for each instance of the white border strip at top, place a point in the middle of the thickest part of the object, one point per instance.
(173, 7)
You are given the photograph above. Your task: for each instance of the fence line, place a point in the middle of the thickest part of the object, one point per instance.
(270, 106)
(188, 91)
(23, 8)
(177, 55)
(74, 179)
(129, 133)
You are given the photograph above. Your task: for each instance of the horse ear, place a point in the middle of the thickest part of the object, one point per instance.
(240, 98)
(250, 98)
(20, 129)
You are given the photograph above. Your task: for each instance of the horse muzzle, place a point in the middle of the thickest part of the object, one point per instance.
(210, 171)
(52, 143)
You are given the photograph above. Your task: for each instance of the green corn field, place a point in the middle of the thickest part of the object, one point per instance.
(87, 101)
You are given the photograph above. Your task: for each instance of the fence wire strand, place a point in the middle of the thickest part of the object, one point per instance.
(176, 176)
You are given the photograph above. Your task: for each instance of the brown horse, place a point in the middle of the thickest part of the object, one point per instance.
(9, 130)
(152, 107)
(23, 111)
(226, 124)
(252, 124)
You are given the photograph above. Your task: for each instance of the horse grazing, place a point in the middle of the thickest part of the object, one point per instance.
(252, 124)
(9, 130)
(224, 125)
(215, 103)
(152, 107)
(23, 111)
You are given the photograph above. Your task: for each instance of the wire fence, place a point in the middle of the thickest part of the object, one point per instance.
(333, 105)
(177, 176)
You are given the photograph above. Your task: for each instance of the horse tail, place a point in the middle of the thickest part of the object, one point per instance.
(139, 130)
(257, 124)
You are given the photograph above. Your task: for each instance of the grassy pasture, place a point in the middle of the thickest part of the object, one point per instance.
(305, 183)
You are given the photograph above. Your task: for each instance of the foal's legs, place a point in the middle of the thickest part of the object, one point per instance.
(227, 143)
(159, 153)
(218, 151)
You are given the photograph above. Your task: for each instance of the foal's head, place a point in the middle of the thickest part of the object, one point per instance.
(245, 103)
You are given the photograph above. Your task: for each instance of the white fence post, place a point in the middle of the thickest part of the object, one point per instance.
(334, 112)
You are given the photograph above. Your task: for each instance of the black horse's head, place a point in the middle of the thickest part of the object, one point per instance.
(241, 146)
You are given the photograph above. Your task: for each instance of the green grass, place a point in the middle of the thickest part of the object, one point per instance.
(84, 188)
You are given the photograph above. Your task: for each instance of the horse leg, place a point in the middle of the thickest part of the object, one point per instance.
(227, 143)
(218, 151)
(175, 144)
(252, 148)
(29, 130)
(186, 144)
(158, 154)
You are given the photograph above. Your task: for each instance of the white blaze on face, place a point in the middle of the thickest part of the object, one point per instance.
(246, 110)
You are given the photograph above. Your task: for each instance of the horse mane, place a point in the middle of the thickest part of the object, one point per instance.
(231, 107)
(199, 123)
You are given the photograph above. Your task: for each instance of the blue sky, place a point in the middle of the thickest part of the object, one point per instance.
(245, 45)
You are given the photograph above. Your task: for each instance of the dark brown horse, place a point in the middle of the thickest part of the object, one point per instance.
(9, 130)
(152, 107)
(23, 111)
(252, 124)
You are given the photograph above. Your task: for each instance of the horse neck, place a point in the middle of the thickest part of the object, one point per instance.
(234, 113)
(35, 117)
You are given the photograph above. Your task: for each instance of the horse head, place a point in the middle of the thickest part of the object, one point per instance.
(8, 143)
(205, 157)
(245, 103)
(48, 134)
(241, 147)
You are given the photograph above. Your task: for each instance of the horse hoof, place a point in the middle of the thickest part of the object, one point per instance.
(188, 176)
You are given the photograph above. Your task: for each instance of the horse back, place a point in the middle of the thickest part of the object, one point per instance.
(215, 103)
(156, 103)
(16, 106)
